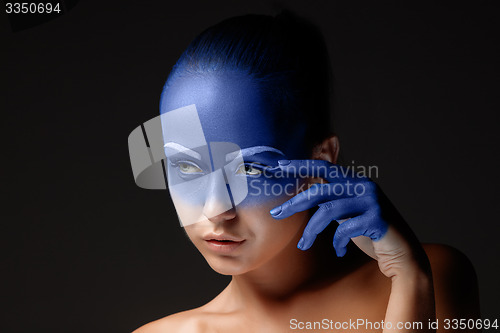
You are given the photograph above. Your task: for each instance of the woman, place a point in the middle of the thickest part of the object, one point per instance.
(259, 86)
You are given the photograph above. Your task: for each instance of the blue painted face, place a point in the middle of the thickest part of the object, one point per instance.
(221, 135)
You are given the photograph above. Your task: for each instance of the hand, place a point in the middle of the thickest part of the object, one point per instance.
(364, 209)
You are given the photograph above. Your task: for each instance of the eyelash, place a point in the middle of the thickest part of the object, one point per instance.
(177, 164)
(257, 166)
(254, 166)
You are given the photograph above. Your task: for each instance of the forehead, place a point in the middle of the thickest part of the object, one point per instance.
(230, 106)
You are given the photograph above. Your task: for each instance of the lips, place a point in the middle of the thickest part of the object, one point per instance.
(223, 238)
(223, 243)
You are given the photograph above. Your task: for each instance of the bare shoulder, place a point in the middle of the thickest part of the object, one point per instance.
(450, 265)
(186, 321)
(197, 320)
(455, 282)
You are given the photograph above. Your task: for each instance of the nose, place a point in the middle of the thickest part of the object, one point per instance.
(225, 216)
(218, 204)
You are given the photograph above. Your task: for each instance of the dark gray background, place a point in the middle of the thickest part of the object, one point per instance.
(88, 251)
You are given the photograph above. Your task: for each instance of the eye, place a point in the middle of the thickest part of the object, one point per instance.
(188, 168)
(249, 170)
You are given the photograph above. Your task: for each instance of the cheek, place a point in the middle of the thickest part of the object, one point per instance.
(194, 233)
(271, 236)
(267, 237)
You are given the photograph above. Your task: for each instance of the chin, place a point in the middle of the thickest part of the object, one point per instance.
(226, 265)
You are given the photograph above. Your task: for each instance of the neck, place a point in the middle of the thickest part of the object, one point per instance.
(285, 276)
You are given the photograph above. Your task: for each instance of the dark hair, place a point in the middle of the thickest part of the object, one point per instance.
(285, 54)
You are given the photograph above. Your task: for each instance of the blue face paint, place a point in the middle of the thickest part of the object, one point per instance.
(232, 108)
(220, 138)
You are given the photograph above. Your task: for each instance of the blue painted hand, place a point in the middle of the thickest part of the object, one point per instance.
(360, 207)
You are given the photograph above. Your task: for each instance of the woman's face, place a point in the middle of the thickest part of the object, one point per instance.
(237, 237)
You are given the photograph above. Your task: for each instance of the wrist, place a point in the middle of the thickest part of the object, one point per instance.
(412, 274)
(412, 297)
(415, 275)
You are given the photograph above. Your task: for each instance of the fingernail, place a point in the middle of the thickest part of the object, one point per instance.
(275, 211)
(301, 243)
(283, 162)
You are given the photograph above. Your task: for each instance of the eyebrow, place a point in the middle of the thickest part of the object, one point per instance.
(183, 150)
(252, 151)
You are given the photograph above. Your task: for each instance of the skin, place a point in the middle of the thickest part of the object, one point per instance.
(273, 281)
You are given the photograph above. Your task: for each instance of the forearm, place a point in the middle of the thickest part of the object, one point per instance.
(411, 302)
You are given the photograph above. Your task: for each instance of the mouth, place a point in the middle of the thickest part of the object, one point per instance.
(223, 243)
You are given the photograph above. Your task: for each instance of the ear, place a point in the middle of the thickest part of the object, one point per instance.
(328, 150)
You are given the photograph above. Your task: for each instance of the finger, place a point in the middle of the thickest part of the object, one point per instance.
(314, 169)
(327, 212)
(312, 197)
(362, 225)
